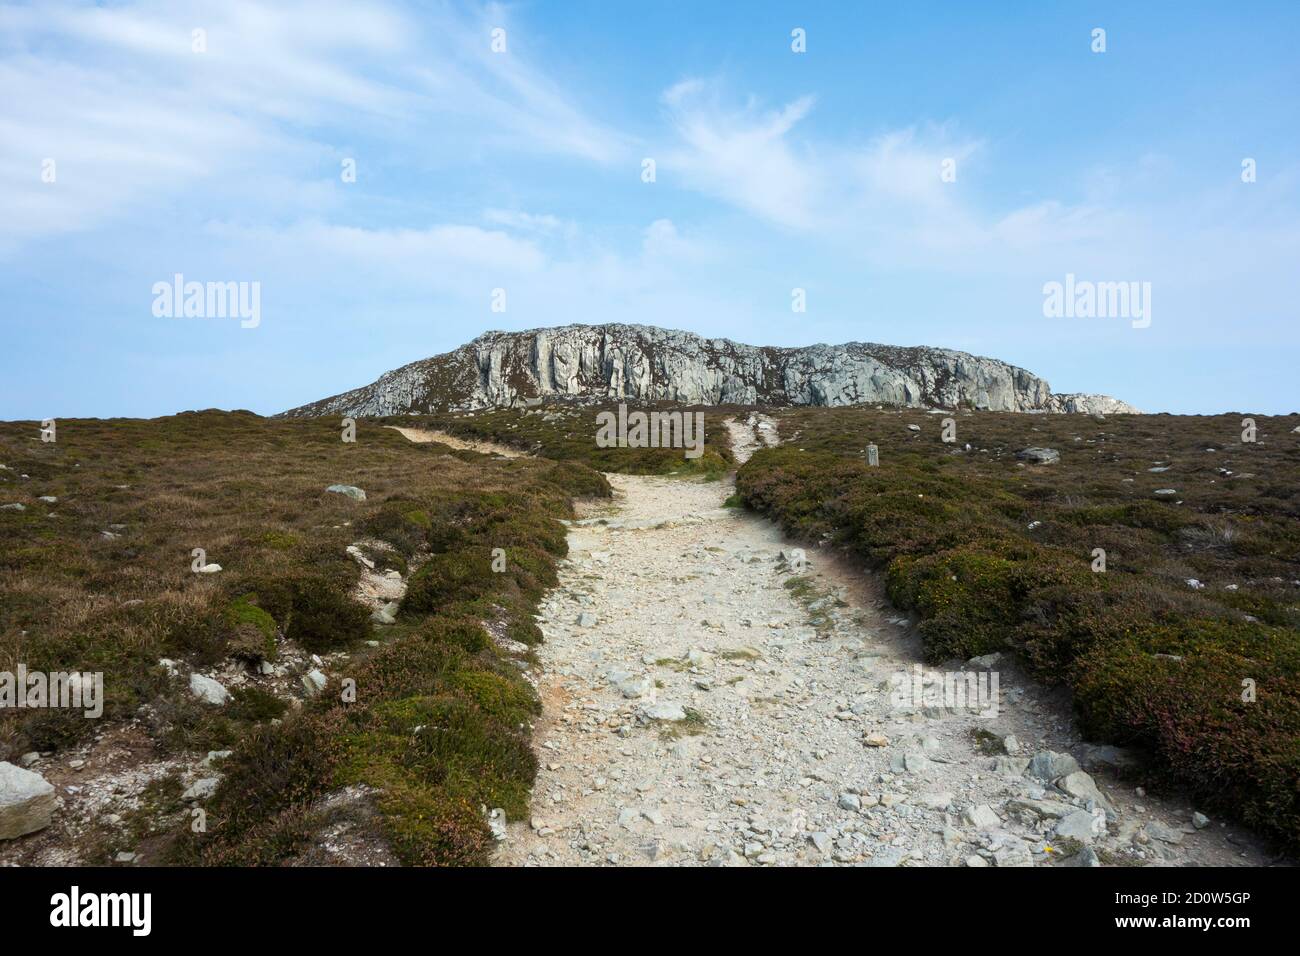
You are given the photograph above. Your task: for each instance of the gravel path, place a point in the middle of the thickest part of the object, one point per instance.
(706, 702)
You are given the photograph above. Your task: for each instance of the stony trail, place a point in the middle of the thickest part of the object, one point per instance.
(706, 702)
(424, 435)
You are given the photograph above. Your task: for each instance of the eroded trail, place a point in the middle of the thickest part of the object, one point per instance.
(706, 702)
(423, 435)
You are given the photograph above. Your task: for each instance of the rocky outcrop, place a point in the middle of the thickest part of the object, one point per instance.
(1084, 404)
(643, 363)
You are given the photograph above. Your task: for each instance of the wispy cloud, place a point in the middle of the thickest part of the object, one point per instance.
(132, 115)
(743, 156)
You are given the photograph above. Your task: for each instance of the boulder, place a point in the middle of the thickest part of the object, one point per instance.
(1081, 825)
(1039, 456)
(313, 682)
(1081, 786)
(1165, 834)
(208, 690)
(350, 491)
(27, 802)
(1047, 765)
(982, 817)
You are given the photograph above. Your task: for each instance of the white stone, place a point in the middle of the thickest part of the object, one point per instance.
(313, 682)
(27, 801)
(208, 690)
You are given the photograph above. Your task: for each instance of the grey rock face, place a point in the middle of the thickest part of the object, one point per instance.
(1082, 404)
(644, 363)
(27, 801)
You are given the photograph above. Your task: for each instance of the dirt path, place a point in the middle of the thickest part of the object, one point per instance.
(708, 701)
(451, 441)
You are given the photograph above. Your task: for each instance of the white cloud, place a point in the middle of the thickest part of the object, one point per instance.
(134, 118)
(443, 256)
(540, 224)
(742, 156)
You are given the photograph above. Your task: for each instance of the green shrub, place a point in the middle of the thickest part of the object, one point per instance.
(992, 555)
(254, 631)
(321, 614)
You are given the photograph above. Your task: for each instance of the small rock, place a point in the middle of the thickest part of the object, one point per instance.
(201, 789)
(1165, 834)
(1081, 825)
(1039, 456)
(938, 800)
(885, 857)
(208, 690)
(351, 491)
(213, 756)
(982, 817)
(313, 682)
(698, 658)
(1047, 765)
(665, 711)
(1200, 820)
(635, 687)
(1082, 786)
(1016, 854)
(1085, 857)
(850, 801)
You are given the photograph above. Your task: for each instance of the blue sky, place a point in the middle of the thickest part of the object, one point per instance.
(521, 170)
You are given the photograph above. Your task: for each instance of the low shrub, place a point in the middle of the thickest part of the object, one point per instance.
(992, 554)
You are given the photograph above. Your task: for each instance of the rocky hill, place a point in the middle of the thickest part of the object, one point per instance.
(644, 363)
